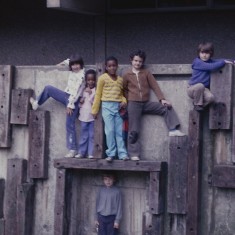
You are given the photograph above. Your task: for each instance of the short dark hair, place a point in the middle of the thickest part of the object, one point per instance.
(111, 58)
(109, 174)
(90, 71)
(75, 59)
(206, 47)
(139, 53)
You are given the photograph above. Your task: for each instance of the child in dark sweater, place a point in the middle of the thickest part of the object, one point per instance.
(199, 84)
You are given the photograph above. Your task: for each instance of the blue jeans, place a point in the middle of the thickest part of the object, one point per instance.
(86, 142)
(62, 97)
(113, 129)
(106, 224)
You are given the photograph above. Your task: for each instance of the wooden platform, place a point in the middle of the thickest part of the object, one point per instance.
(102, 164)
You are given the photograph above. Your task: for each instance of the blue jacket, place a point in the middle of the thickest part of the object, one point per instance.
(202, 70)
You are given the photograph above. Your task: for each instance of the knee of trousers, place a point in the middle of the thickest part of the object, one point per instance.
(133, 137)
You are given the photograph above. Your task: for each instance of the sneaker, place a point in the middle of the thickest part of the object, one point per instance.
(176, 133)
(125, 158)
(90, 157)
(198, 108)
(109, 159)
(135, 158)
(34, 103)
(78, 155)
(71, 154)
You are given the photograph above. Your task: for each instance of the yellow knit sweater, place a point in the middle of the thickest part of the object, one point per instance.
(108, 90)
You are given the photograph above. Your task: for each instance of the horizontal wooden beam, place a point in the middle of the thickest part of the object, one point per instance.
(223, 176)
(102, 164)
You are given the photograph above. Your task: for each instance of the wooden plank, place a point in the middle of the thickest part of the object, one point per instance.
(20, 106)
(194, 135)
(2, 188)
(38, 144)
(16, 175)
(177, 175)
(233, 137)
(5, 105)
(152, 224)
(177, 224)
(223, 176)
(99, 127)
(220, 111)
(154, 192)
(25, 206)
(2, 227)
(60, 225)
(101, 164)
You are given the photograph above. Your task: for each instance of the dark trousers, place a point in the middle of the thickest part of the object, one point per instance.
(106, 224)
(136, 110)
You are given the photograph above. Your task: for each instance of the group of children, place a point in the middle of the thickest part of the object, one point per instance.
(114, 93)
(132, 92)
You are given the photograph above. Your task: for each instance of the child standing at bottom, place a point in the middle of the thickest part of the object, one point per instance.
(86, 142)
(108, 206)
(199, 84)
(110, 92)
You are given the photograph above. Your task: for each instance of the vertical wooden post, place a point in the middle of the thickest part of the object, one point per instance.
(60, 225)
(5, 107)
(195, 133)
(25, 205)
(177, 175)
(38, 144)
(2, 227)
(16, 175)
(99, 129)
(221, 87)
(20, 106)
(233, 137)
(2, 187)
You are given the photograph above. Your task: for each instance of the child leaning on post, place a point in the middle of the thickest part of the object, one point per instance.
(199, 84)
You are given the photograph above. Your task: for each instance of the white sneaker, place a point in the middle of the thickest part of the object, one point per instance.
(34, 103)
(90, 157)
(78, 155)
(135, 158)
(71, 154)
(176, 133)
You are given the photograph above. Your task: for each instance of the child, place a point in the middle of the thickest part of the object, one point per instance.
(86, 143)
(108, 206)
(137, 84)
(69, 98)
(110, 92)
(199, 83)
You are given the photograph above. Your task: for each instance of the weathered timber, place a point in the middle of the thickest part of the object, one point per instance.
(16, 175)
(223, 176)
(177, 175)
(233, 137)
(101, 164)
(177, 224)
(152, 224)
(98, 127)
(2, 227)
(20, 106)
(2, 188)
(221, 88)
(5, 105)
(25, 205)
(154, 192)
(38, 144)
(60, 225)
(194, 136)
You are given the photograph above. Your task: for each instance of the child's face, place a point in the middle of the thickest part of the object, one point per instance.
(90, 79)
(137, 62)
(111, 67)
(204, 56)
(76, 67)
(108, 181)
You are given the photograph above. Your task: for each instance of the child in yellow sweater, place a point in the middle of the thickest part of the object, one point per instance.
(109, 92)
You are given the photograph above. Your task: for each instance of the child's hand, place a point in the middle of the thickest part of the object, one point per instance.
(88, 90)
(116, 225)
(69, 111)
(81, 101)
(95, 115)
(122, 105)
(228, 62)
(166, 103)
(96, 223)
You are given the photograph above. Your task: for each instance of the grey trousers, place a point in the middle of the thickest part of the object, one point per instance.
(200, 94)
(135, 111)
